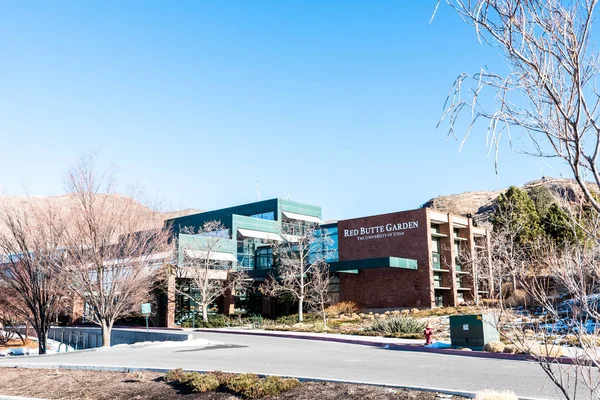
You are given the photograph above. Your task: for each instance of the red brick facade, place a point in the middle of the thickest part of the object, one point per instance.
(387, 287)
(407, 234)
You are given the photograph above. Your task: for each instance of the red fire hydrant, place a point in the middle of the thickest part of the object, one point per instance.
(428, 334)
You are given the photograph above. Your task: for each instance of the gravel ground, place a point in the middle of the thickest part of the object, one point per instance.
(94, 385)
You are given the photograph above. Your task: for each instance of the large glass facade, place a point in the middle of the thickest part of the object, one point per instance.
(254, 253)
(326, 246)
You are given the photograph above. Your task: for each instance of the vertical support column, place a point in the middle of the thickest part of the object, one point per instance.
(447, 262)
(490, 272)
(228, 302)
(430, 258)
(171, 296)
(472, 257)
(453, 255)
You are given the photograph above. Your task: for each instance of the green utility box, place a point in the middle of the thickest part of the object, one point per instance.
(473, 331)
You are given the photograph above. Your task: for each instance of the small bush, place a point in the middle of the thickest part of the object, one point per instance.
(274, 385)
(201, 383)
(550, 351)
(344, 307)
(397, 325)
(494, 347)
(510, 349)
(252, 387)
(293, 319)
(493, 395)
(223, 377)
(586, 340)
(245, 384)
(174, 375)
(214, 321)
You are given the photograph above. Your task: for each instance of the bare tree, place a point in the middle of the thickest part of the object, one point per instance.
(32, 260)
(114, 245)
(550, 99)
(549, 94)
(318, 293)
(206, 264)
(302, 253)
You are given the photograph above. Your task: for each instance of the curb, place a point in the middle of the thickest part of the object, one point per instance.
(451, 392)
(399, 347)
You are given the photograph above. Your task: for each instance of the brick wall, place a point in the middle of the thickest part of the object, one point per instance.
(387, 287)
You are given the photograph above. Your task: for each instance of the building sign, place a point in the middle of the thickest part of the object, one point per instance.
(380, 231)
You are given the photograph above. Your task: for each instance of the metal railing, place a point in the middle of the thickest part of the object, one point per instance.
(75, 338)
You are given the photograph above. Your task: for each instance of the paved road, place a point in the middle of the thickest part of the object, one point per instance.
(318, 359)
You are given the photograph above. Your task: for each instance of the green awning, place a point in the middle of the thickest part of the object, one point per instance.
(351, 266)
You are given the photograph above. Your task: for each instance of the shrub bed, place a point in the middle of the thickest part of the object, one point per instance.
(396, 325)
(249, 386)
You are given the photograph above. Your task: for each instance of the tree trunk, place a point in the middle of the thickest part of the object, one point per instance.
(106, 331)
(205, 312)
(300, 307)
(42, 341)
(324, 316)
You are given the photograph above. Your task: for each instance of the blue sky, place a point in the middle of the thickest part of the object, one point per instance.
(197, 100)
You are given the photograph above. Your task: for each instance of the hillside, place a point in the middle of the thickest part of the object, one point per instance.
(64, 203)
(481, 204)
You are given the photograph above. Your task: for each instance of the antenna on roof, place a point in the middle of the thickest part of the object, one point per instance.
(258, 189)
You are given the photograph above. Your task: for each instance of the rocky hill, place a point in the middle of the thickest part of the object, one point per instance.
(481, 204)
(64, 203)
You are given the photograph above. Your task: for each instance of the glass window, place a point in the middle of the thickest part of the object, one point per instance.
(270, 215)
(326, 240)
(437, 279)
(456, 232)
(221, 233)
(435, 228)
(435, 245)
(460, 297)
(439, 299)
(264, 257)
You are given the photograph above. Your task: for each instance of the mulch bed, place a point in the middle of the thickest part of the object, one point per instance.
(95, 385)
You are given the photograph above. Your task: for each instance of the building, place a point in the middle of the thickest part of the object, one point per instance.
(417, 258)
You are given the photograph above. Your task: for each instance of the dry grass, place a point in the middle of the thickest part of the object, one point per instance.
(494, 347)
(29, 344)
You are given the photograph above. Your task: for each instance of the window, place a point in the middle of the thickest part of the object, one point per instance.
(456, 232)
(264, 257)
(435, 245)
(459, 281)
(460, 297)
(435, 228)
(457, 249)
(435, 249)
(439, 299)
(269, 215)
(220, 233)
(326, 240)
(437, 279)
